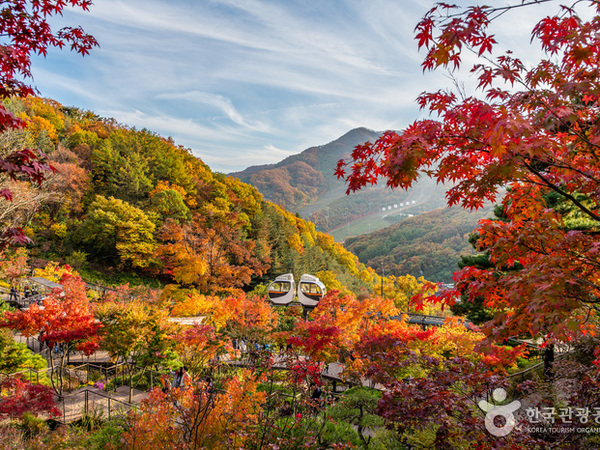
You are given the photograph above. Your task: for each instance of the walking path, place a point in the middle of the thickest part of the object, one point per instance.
(87, 399)
(96, 402)
(92, 400)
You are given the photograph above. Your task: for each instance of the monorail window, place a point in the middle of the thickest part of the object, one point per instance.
(310, 288)
(279, 288)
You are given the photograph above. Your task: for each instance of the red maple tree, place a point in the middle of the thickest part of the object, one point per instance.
(533, 132)
(64, 321)
(19, 396)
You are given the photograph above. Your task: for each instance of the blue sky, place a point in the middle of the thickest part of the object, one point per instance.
(247, 82)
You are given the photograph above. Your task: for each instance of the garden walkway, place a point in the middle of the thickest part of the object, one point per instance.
(96, 402)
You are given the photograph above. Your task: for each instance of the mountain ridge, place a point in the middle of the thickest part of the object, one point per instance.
(306, 184)
(291, 158)
(300, 180)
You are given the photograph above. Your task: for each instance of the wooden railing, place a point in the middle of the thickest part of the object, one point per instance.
(114, 376)
(75, 406)
(21, 301)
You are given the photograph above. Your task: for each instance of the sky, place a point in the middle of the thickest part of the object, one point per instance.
(247, 82)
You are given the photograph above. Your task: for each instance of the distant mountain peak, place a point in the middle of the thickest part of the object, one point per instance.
(301, 179)
(306, 184)
(342, 145)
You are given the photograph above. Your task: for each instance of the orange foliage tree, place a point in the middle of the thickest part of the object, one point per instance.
(240, 317)
(13, 264)
(351, 315)
(251, 318)
(198, 417)
(197, 345)
(332, 330)
(210, 253)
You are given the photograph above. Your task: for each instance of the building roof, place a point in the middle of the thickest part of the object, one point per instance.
(188, 320)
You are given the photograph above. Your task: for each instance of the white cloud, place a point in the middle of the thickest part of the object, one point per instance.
(246, 82)
(223, 104)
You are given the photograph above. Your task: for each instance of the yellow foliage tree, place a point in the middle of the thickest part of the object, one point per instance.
(402, 288)
(295, 242)
(329, 279)
(195, 305)
(135, 330)
(54, 271)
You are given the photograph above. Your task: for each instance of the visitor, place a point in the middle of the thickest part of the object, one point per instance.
(177, 378)
(186, 379)
(57, 349)
(316, 392)
(286, 409)
(315, 397)
(13, 294)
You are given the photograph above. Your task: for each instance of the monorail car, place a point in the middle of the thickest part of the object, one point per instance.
(282, 290)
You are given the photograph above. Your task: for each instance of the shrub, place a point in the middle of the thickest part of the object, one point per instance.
(108, 435)
(32, 426)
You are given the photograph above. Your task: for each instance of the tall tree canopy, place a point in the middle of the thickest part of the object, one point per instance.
(534, 131)
(117, 228)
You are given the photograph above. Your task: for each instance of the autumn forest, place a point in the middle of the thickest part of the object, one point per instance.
(137, 307)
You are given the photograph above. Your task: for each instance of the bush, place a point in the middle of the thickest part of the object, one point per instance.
(77, 260)
(11, 437)
(108, 435)
(95, 375)
(32, 426)
(325, 434)
(92, 420)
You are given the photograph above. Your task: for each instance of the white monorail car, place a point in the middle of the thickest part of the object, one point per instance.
(282, 290)
(310, 290)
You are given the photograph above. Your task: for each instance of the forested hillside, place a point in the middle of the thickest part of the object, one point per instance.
(429, 245)
(127, 201)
